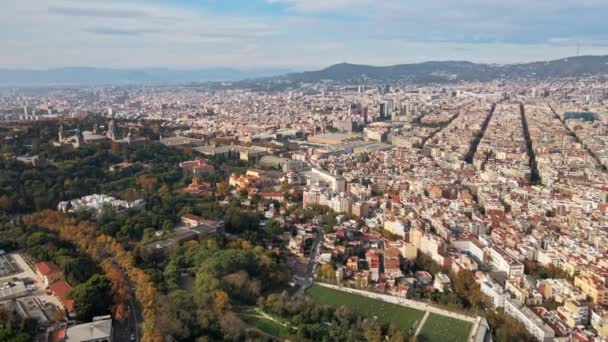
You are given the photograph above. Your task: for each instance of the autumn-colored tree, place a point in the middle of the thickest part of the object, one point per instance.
(120, 311)
(100, 248)
(327, 272)
(147, 182)
(120, 290)
(373, 331)
(221, 188)
(221, 302)
(232, 326)
(164, 189)
(116, 148)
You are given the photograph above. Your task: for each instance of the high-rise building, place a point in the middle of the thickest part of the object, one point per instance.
(355, 109)
(381, 111)
(388, 108)
(385, 89)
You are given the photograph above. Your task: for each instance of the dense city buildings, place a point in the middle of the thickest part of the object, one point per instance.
(504, 182)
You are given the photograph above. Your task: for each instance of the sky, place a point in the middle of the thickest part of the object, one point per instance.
(295, 34)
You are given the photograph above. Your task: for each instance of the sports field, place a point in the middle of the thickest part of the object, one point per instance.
(445, 329)
(404, 318)
(437, 328)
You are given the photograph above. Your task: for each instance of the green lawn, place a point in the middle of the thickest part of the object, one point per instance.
(401, 316)
(445, 329)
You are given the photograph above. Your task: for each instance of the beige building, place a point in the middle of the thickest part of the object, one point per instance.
(592, 288)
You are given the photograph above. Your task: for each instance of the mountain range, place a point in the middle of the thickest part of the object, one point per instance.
(417, 73)
(451, 71)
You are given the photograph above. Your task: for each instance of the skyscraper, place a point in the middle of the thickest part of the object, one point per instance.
(386, 89)
(388, 108)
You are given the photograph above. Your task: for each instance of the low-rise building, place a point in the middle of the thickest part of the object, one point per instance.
(197, 167)
(48, 272)
(99, 330)
(575, 313)
(442, 282)
(593, 288)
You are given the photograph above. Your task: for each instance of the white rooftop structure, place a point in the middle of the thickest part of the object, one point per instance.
(98, 330)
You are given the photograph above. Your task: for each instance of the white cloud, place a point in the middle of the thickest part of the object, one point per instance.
(312, 33)
(322, 5)
(120, 33)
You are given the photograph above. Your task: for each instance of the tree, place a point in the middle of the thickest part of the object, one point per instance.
(395, 335)
(273, 228)
(222, 188)
(78, 270)
(221, 302)
(232, 326)
(238, 220)
(92, 298)
(468, 289)
(147, 182)
(373, 331)
(170, 318)
(327, 272)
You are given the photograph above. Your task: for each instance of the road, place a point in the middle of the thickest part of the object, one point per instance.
(134, 318)
(306, 279)
(123, 330)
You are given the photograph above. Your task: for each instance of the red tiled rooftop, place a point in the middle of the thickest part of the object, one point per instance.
(61, 290)
(46, 268)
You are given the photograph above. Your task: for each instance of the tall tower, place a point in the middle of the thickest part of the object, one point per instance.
(79, 139)
(60, 132)
(112, 133)
(388, 108)
(130, 139)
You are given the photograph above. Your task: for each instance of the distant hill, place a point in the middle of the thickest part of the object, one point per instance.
(97, 76)
(418, 73)
(447, 71)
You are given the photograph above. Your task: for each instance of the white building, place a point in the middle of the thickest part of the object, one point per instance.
(505, 262)
(471, 247)
(395, 227)
(100, 330)
(534, 325)
(336, 183)
(496, 293)
(442, 282)
(433, 246)
(341, 203)
(95, 203)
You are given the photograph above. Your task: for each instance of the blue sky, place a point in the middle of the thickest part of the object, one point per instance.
(299, 34)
